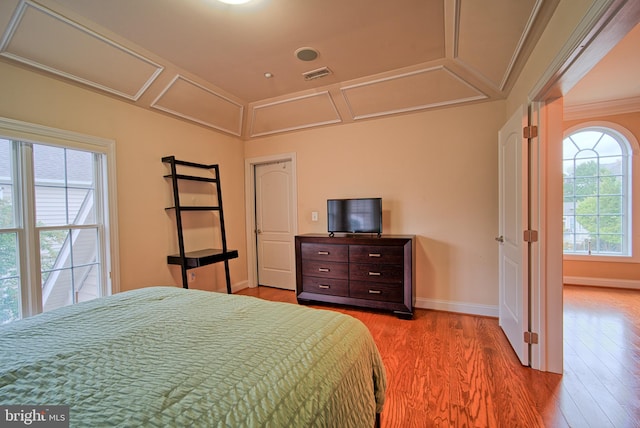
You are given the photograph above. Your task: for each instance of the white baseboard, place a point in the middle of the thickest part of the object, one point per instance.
(632, 284)
(239, 286)
(458, 307)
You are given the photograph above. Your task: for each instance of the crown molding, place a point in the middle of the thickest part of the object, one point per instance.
(602, 108)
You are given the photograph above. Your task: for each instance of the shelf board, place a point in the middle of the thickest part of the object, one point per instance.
(194, 259)
(193, 178)
(194, 208)
(168, 159)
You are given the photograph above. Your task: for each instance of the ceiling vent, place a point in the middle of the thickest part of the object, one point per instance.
(315, 74)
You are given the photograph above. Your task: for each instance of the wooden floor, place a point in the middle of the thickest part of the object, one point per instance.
(452, 370)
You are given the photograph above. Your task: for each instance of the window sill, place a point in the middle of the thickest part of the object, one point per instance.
(600, 258)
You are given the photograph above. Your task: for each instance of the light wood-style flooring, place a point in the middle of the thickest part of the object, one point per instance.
(453, 370)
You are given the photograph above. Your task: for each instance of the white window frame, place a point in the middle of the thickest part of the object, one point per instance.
(634, 149)
(11, 129)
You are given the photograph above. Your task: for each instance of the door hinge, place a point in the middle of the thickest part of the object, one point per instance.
(530, 338)
(530, 236)
(530, 131)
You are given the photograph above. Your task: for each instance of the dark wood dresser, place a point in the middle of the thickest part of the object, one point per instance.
(357, 270)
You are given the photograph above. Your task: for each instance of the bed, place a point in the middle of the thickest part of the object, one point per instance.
(166, 356)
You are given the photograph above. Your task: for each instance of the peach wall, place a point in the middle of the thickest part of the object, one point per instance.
(437, 174)
(614, 270)
(146, 232)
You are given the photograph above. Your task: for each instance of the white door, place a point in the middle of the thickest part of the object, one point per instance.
(513, 220)
(274, 225)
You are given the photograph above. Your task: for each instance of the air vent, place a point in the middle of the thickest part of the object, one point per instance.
(315, 74)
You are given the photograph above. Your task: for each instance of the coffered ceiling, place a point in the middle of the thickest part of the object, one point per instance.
(204, 61)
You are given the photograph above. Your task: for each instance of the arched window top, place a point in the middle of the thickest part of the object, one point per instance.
(597, 189)
(604, 137)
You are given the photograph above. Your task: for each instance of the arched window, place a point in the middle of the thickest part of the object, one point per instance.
(597, 192)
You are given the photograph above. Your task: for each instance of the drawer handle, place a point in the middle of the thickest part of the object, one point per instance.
(323, 270)
(323, 253)
(324, 286)
(374, 254)
(374, 274)
(375, 292)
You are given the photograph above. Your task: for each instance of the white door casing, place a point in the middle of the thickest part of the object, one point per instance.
(274, 224)
(513, 220)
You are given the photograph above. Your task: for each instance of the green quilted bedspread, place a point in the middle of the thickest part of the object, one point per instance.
(170, 357)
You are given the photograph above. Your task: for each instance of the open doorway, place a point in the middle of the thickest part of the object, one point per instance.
(599, 322)
(607, 98)
(596, 35)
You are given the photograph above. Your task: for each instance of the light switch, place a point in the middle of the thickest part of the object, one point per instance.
(314, 215)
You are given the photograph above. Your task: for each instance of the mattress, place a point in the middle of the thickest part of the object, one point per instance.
(166, 356)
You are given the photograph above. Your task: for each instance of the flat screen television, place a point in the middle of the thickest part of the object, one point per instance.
(362, 215)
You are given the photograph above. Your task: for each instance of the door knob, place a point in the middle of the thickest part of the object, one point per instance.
(500, 238)
(258, 231)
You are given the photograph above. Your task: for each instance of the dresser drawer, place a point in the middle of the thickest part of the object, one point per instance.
(390, 274)
(334, 287)
(376, 254)
(376, 291)
(329, 252)
(325, 269)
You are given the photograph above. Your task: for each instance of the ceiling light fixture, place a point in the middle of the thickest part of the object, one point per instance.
(234, 1)
(306, 54)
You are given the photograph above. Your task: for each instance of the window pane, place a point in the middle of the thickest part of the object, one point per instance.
(582, 242)
(81, 206)
(568, 224)
(586, 168)
(80, 169)
(53, 243)
(567, 167)
(586, 156)
(569, 149)
(586, 139)
(9, 278)
(7, 218)
(84, 246)
(48, 165)
(608, 146)
(586, 186)
(610, 205)
(610, 185)
(569, 187)
(86, 280)
(57, 291)
(611, 224)
(608, 244)
(9, 300)
(586, 224)
(51, 206)
(611, 166)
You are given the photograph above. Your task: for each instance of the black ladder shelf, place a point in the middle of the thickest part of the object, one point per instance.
(193, 259)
